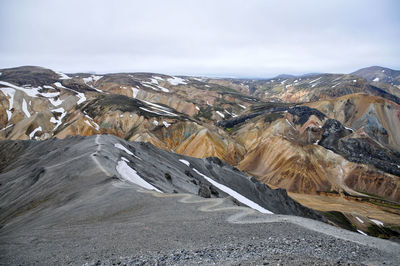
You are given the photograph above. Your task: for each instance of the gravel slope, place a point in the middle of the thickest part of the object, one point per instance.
(93, 217)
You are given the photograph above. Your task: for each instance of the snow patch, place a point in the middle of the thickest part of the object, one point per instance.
(349, 129)
(59, 85)
(166, 124)
(361, 232)
(131, 176)
(184, 162)
(135, 92)
(62, 75)
(25, 108)
(235, 194)
(81, 97)
(58, 121)
(10, 125)
(32, 92)
(377, 222)
(376, 79)
(290, 124)
(8, 92)
(155, 122)
(32, 134)
(244, 107)
(312, 81)
(220, 114)
(176, 81)
(159, 108)
(154, 86)
(358, 219)
(312, 86)
(55, 102)
(119, 146)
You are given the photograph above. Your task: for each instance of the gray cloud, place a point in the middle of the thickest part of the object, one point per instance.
(236, 38)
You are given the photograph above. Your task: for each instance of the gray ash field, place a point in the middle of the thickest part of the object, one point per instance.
(78, 201)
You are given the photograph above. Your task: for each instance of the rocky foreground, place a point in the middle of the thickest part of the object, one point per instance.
(103, 200)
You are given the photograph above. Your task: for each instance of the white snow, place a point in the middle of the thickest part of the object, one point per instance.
(10, 125)
(315, 84)
(135, 92)
(377, 222)
(55, 102)
(207, 86)
(62, 75)
(32, 134)
(290, 124)
(91, 123)
(131, 175)
(349, 129)
(361, 232)
(166, 124)
(32, 92)
(92, 78)
(154, 86)
(376, 79)
(9, 114)
(58, 121)
(123, 158)
(358, 219)
(25, 108)
(312, 81)
(336, 84)
(119, 146)
(383, 70)
(147, 110)
(10, 93)
(244, 107)
(354, 80)
(184, 162)
(81, 97)
(121, 115)
(220, 114)
(58, 84)
(154, 81)
(155, 122)
(87, 122)
(160, 108)
(176, 81)
(198, 109)
(50, 94)
(234, 194)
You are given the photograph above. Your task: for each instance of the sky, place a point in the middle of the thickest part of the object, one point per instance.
(227, 38)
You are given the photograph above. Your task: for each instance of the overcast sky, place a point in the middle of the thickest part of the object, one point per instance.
(246, 38)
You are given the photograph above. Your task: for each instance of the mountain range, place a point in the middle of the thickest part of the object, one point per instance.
(323, 148)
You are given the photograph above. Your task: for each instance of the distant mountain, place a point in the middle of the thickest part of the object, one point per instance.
(284, 76)
(379, 74)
